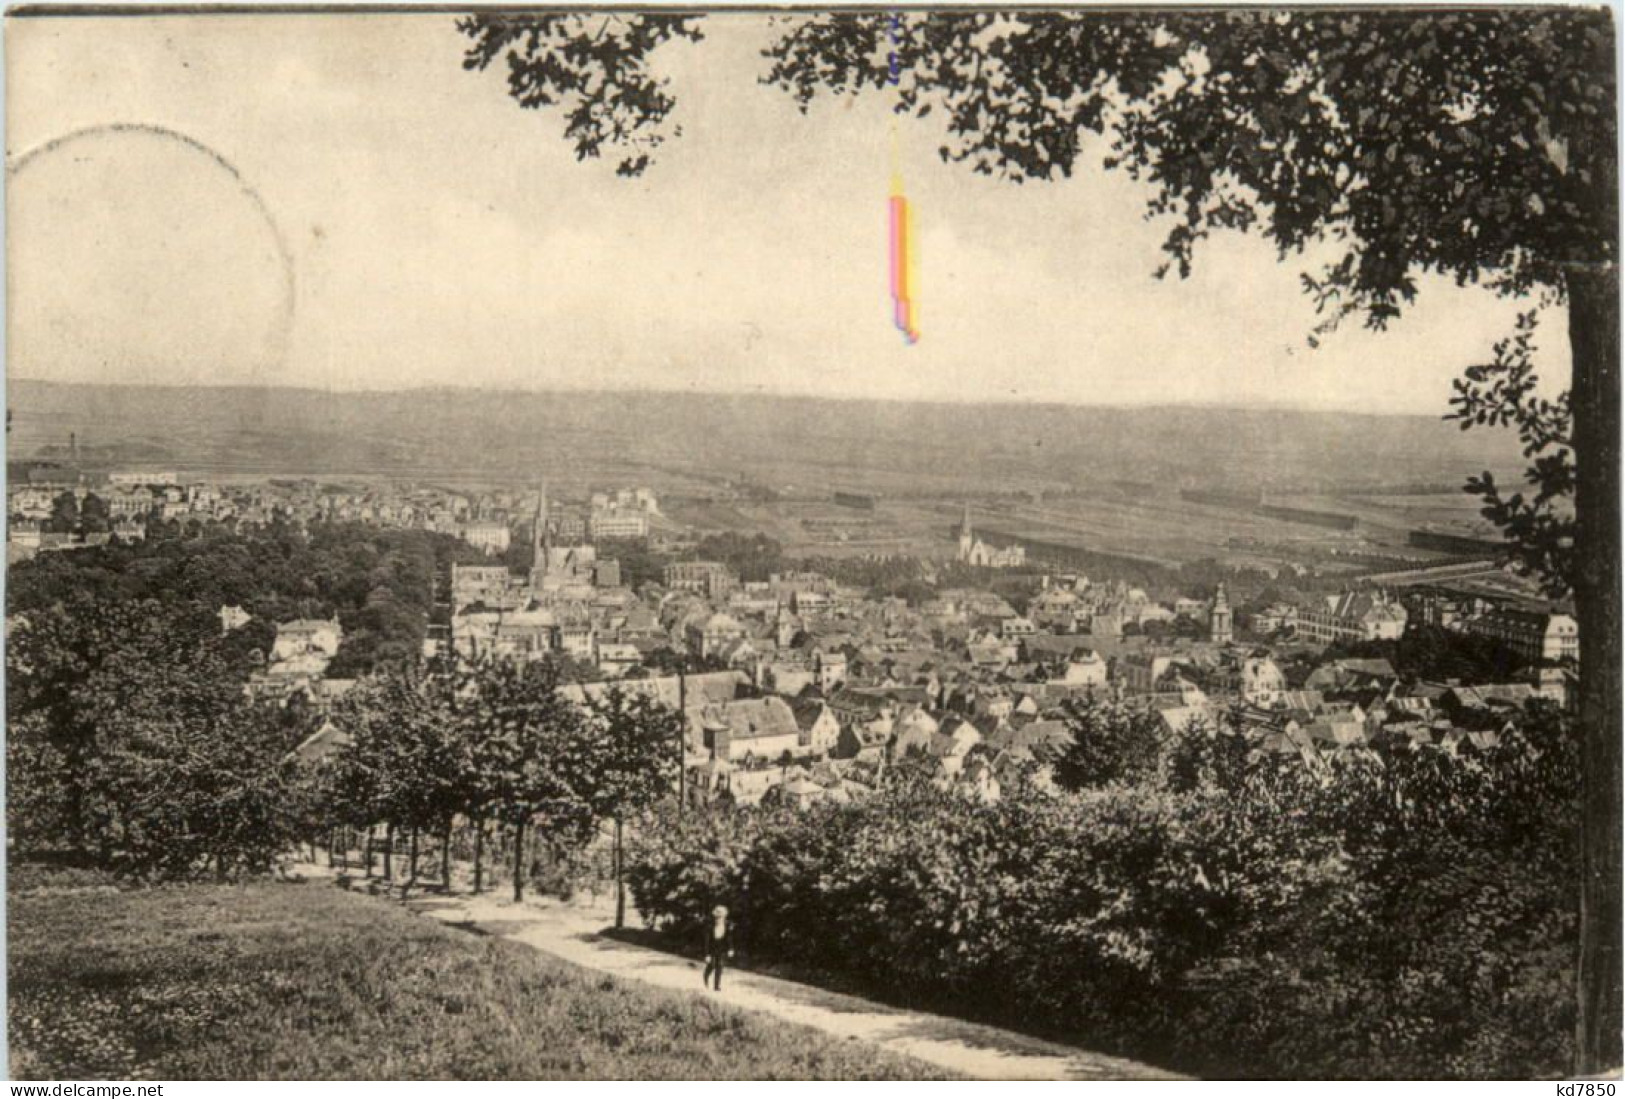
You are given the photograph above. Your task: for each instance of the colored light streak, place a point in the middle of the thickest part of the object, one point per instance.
(904, 314)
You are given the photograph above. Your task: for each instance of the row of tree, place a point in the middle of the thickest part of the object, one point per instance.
(71, 516)
(131, 745)
(495, 743)
(131, 742)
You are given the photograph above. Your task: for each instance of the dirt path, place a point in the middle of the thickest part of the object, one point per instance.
(573, 933)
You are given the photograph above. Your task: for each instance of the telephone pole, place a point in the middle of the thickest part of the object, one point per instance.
(682, 736)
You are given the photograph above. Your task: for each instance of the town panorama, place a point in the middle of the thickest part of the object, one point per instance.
(933, 544)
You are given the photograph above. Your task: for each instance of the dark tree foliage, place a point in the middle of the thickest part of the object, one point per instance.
(1395, 914)
(130, 743)
(1209, 756)
(64, 514)
(753, 557)
(492, 740)
(379, 583)
(527, 744)
(1112, 743)
(94, 515)
(406, 762)
(1475, 143)
(1502, 393)
(631, 757)
(632, 760)
(574, 669)
(667, 661)
(196, 797)
(1435, 654)
(520, 556)
(901, 577)
(593, 66)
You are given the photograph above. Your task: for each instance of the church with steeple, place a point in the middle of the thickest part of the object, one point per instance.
(974, 551)
(555, 568)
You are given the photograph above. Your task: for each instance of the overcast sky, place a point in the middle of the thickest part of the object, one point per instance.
(394, 221)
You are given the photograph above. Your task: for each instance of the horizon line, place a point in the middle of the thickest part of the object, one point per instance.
(693, 391)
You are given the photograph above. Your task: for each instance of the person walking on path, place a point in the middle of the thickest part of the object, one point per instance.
(719, 943)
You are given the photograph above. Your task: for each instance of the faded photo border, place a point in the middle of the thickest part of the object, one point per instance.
(1599, 542)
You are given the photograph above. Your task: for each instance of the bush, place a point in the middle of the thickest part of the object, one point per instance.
(1399, 916)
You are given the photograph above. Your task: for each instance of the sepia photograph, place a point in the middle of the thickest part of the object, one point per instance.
(812, 543)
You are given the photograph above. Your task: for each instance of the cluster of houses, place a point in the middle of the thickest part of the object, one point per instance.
(492, 520)
(800, 688)
(135, 498)
(983, 731)
(298, 660)
(130, 501)
(570, 602)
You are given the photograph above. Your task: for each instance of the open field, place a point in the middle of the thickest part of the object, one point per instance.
(1101, 479)
(303, 981)
(1154, 526)
(821, 527)
(1450, 512)
(696, 443)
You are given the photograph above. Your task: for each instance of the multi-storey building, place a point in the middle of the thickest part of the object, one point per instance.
(493, 538)
(491, 585)
(1533, 635)
(713, 578)
(1352, 616)
(129, 504)
(143, 477)
(614, 523)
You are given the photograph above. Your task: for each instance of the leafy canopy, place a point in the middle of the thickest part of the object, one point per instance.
(1476, 144)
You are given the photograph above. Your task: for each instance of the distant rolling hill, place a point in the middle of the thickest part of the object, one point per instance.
(684, 441)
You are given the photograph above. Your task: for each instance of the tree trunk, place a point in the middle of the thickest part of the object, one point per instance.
(445, 856)
(1594, 339)
(367, 844)
(479, 853)
(76, 805)
(389, 852)
(412, 865)
(519, 862)
(620, 886)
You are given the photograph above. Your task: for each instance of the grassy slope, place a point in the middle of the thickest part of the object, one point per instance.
(302, 981)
